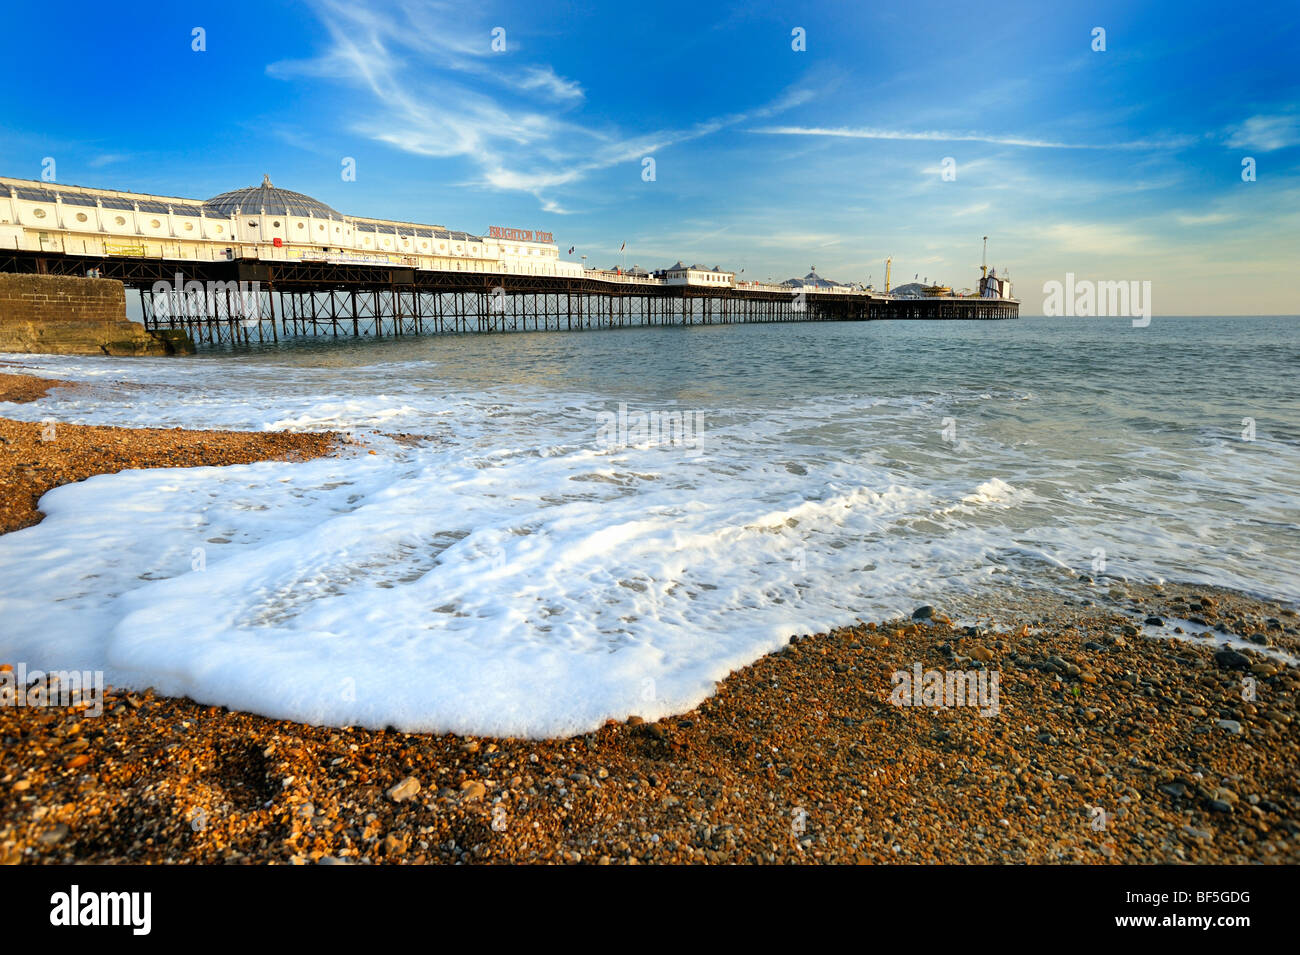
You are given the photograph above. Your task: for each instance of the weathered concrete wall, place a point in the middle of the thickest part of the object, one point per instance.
(62, 315)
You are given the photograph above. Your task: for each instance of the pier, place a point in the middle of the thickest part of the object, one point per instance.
(264, 263)
(321, 299)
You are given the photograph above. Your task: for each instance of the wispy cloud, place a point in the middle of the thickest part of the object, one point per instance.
(544, 79)
(511, 124)
(1209, 218)
(1266, 133)
(1095, 238)
(865, 132)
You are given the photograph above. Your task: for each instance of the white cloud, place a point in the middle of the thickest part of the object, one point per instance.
(1266, 133)
(437, 92)
(1095, 238)
(967, 137)
(1209, 218)
(544, 79)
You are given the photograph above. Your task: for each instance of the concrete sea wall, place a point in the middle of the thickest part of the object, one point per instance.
(63, 315)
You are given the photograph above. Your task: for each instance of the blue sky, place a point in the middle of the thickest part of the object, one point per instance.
(1114, 165)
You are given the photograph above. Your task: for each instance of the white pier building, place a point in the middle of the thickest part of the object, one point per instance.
(259, 223)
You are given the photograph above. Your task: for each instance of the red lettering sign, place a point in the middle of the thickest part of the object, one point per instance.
(519, 235)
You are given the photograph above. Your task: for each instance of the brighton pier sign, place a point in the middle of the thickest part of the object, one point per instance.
(519, 235)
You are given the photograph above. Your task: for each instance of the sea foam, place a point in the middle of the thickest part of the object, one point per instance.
(506, 573)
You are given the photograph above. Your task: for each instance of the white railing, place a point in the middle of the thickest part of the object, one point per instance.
(145, 247)
(604, 275)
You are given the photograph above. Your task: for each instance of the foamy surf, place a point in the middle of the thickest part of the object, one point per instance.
(510, 574)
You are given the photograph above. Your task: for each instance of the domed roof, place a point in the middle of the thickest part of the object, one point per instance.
(254, 199)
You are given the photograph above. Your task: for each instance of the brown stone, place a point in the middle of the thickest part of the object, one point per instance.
(69, 315)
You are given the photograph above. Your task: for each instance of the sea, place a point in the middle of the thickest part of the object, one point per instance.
(529, 534)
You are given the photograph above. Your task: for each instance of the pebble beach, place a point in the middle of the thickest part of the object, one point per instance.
(1108, 749)
(35, 458)
(1146, 724)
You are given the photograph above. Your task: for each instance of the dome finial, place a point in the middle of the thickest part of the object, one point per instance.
(266, 181)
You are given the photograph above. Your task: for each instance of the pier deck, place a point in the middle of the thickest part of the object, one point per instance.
(252, 300)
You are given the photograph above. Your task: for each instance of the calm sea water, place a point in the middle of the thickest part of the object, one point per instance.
(513, 570)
